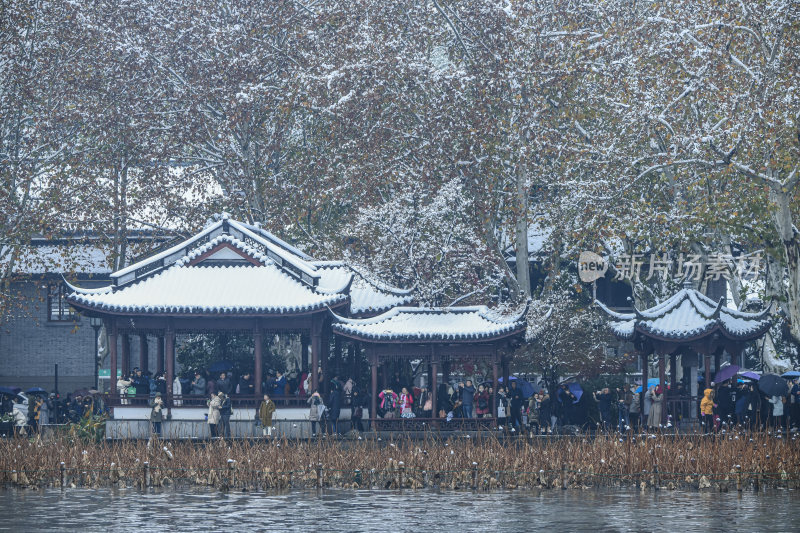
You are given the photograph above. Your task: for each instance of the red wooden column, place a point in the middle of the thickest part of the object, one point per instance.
(126, 354)
(337, 357)
(257, 371)
(170, 361)
(324, 355)
(494, 387)
(160, 354)
(662, 384)
(434, 384)
(144, 359)
(708, 371)
(303, 353)
(645, 361)
(373, 366)
(111, 328)
(316, 347)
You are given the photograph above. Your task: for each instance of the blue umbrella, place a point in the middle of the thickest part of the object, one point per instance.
(650, 381)
(526, 387)
(36, 390)
(575, 388)
(750, 375)
(220, 366)
(791, 374)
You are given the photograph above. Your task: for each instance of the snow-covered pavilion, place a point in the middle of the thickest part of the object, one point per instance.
(435, 335)
(687, 321)
(233, 276)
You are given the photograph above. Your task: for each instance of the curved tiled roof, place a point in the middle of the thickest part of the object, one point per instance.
(443, 324)
(196, 290)
(688, 315)
(366, 296)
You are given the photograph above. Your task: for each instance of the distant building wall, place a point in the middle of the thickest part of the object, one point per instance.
(31, 345)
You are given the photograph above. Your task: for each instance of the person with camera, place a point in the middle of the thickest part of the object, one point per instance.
(156, 415)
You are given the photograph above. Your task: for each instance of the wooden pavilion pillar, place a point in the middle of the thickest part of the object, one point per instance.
(446, 372)
(170, 361)
(708, 370)
(373, 367)
(160, 354)
(337, 356)
(434, 385)
(673, 373)
(324, 353)
(316, 347)
(258, 342)
(303, 353)
(351, 362)
(645, 357)
(144, 356)
(662, 383)
(126, 354)
(717, 358)
(494, 386)
(506, 374)
(111, 328)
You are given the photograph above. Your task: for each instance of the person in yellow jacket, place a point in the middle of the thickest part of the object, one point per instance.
(707, 406)
(265, 412)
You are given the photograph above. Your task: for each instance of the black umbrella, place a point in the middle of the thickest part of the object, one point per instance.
(36, 390)
(773, 385)
(11, 391)
(220, 366)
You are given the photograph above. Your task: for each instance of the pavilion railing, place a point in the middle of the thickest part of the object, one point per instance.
(238, 401)
(432, 424)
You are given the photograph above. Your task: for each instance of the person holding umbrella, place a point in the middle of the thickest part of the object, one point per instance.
(774, 388)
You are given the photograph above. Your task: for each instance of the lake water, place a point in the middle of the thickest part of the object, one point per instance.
(425, 511)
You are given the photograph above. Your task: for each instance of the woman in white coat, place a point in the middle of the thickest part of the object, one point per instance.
(177, 391)
(213, 414)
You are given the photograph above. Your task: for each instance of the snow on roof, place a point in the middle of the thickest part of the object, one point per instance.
(232, 289)
(62, 259)
(282, 254)
(443, 324)
(688, 315)
(366, 296)
(276, 240)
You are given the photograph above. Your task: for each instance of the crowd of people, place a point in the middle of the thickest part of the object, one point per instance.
(620, 409)
(744, 405)
(41, 408)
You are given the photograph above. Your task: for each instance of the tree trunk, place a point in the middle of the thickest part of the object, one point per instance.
(521, 230)
(791, 247)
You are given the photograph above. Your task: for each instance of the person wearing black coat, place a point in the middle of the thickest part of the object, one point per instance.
(335, 407)
(246, 386)
(224, 384)
(515, 399)
(225, 412)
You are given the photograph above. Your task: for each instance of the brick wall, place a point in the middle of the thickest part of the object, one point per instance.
(30, 345)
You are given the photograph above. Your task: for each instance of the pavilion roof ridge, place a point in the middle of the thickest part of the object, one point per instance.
(687, 315)
(370, 278)
(440, 324)
(224, 237)
(258, 228)
(169, 251)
